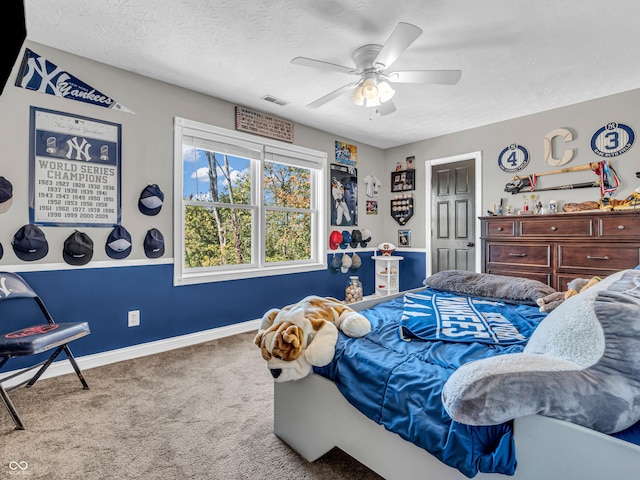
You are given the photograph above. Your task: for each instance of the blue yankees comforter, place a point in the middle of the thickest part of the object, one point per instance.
(395, 374)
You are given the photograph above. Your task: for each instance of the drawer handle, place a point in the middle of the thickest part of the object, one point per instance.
(591, 257)
(517, 254)
(620, 227)
(554, 228)
(500, 229)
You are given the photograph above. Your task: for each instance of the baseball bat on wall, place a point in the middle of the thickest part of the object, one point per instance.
(588, 166)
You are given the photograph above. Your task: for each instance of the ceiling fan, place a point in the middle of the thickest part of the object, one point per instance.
(372, 64)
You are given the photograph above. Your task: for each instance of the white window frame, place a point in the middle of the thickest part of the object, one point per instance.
(268, 150)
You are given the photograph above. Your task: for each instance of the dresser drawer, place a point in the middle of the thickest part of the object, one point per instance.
(556, 226)
(620, 227)
(529, 254)
(514, 272)
(598, 257)
(501, 228)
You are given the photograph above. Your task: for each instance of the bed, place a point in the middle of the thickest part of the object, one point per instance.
(329, 408)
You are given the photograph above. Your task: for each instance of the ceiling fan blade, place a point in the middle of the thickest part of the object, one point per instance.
(444, 77)
(386, 108)
(320, 65)
(402, 36)
(330, 96)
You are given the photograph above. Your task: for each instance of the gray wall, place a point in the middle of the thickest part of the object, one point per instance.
(583, 119)
(147, 150)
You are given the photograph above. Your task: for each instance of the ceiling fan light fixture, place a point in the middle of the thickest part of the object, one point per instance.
(357, 96)
(385, 92)
(370, 86)
(372, 92)
(372, 102)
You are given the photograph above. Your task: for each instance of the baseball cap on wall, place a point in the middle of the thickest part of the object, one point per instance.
(334, 265)
(346, 263)
(356, 238)
(6, 194)
(356, 262)
(346, 239)
(150, 201)
(78, 249)
(154, 243)
(118, 243)
(335, 239)
(1, 251)
(366, 237)
(29, 243)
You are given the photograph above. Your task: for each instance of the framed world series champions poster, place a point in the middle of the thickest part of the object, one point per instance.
(74, 170)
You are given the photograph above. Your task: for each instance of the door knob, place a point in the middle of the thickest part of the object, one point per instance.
(471, 244)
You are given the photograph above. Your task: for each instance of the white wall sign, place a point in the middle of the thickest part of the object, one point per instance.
(567, 136)
(74, 170)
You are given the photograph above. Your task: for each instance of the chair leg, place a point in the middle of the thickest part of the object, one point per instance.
(72, 360)
(44, 367)
(75, 366)
(11, 408)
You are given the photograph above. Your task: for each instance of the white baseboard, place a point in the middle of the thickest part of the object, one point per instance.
(87, 362)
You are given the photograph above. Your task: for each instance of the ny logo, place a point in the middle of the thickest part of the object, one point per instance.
(81, 150)
(48, 80)
(3, 287)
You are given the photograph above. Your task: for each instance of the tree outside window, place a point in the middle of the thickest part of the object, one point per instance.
(246, 208)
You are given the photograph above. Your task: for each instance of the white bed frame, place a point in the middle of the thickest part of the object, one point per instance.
(312, 417)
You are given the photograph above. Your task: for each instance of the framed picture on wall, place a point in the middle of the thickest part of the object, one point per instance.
(402, 181)
(74, 170)
(404, 238)
(344, 195)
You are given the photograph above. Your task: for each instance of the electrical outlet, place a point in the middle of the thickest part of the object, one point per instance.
(134, 318)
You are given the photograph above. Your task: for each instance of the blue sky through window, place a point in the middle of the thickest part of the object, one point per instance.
(196, 173)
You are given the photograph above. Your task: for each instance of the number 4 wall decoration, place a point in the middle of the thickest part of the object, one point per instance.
(513, 158)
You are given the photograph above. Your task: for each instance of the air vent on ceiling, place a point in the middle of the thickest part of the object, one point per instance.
(276, 100)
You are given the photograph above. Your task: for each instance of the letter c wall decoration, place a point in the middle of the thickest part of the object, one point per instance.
(567, 136)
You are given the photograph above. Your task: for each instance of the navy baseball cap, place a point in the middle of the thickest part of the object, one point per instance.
(6, 194)
(154, 244)
(346, 239)
(78, 248)
(118, 243)
(29, 243)
(335, 264)
(150, 201)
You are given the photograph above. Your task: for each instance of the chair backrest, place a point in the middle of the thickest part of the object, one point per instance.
(13, 286)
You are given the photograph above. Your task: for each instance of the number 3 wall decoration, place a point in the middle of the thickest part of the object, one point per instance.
(612, 140)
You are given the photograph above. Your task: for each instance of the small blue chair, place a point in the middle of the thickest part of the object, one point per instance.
(32, 340)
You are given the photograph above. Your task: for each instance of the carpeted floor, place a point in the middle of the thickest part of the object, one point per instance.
(200, 412)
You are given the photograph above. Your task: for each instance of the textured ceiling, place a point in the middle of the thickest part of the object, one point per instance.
(517, 57)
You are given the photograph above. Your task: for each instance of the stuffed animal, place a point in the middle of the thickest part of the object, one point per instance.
(582, 365)
(577, 285)
(298, 337)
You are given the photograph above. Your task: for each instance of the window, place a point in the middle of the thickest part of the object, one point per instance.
(245, 206)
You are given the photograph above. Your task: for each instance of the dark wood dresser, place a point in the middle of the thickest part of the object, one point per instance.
(555, 249)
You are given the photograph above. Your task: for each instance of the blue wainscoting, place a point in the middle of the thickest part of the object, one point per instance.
(103, 296)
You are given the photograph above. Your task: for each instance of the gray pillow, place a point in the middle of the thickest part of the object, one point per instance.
(582, 364)
(501, 287)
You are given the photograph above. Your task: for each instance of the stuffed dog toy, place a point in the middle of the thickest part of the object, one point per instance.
(298, 337)
(575, 286)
